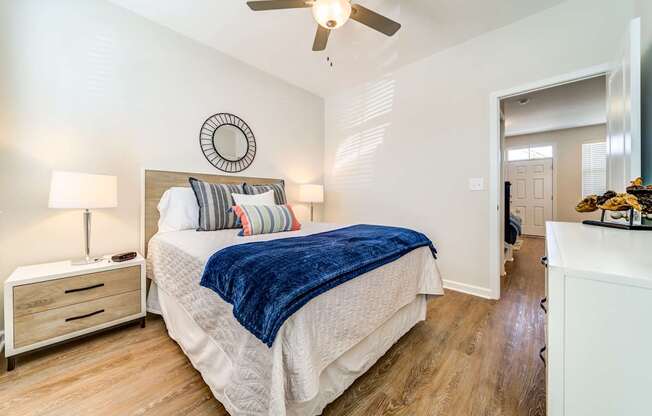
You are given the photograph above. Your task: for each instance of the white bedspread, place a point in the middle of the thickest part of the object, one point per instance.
(260, 380)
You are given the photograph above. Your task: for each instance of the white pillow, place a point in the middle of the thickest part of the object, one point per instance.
(179, 210)
(266, 198)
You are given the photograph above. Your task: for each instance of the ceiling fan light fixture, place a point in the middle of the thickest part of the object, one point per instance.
(331, 14)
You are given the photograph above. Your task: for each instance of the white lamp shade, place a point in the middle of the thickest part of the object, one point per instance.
(311, 193)
(331, 14)
(83, 190)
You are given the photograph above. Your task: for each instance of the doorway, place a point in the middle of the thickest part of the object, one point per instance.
(543, 147)
(623, 145)
(498, 215)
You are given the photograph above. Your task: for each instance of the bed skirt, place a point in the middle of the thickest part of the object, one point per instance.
(215, 367)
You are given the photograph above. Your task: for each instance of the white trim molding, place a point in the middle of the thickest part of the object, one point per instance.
(566, 126)
(496, 159)
(478, 291)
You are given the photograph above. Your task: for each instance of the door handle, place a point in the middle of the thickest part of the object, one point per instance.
(544, 261)
(542, 304)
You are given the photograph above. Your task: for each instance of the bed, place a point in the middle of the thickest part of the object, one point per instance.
(318, 352)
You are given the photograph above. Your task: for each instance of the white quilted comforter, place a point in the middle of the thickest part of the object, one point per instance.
(263, 379)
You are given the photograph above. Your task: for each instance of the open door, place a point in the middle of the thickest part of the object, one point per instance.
(624, 113)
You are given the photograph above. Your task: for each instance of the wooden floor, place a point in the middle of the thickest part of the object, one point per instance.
(471, 357)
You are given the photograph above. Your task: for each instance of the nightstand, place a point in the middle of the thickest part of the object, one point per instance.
(51, 303)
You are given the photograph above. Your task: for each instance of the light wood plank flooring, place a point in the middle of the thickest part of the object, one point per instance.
(471, 357)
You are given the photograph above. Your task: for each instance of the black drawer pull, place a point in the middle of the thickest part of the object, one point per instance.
(542, 304)
(74, 318)
(541, 351)
(81, 289)
(544, 261)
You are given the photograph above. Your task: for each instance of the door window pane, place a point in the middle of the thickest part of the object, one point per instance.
(529, 153)
(540, 152)
(518, 154)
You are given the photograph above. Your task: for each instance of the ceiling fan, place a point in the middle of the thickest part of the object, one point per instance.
(330, 15)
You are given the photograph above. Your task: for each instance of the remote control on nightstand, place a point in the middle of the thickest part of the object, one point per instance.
(124, 256)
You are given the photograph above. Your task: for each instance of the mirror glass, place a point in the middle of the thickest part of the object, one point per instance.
(230, 142)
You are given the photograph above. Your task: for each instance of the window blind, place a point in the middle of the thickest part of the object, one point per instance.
(594, 168)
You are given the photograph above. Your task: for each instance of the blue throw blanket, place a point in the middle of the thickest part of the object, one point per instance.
(267, 281)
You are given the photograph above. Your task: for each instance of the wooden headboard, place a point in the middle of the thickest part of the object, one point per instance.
(156, 182)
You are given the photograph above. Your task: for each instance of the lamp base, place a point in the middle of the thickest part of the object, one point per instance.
(86, 260)
(87, 244)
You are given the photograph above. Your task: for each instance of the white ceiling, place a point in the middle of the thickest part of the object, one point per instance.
(280, 42)
(573, 105)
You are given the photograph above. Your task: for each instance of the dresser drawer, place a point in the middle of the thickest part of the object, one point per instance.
(29, 329)
(40, 297)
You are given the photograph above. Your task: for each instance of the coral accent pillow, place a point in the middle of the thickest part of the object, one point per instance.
(265, 219)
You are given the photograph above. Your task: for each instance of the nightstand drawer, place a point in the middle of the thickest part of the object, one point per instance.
(29, 329)
(40, 297)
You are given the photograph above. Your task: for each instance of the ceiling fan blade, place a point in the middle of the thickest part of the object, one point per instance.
(278, 4)
(374, 20)
(321, 38)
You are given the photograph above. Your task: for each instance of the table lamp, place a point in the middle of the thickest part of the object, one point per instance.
(72, 190)
(312, 194)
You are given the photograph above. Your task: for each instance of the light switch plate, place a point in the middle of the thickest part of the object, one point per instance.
(476, 184)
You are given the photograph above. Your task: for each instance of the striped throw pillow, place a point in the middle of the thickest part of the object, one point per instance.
(265, 219)
(215, 202)
(279, 191)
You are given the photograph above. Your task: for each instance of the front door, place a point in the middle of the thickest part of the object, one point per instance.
(531, 193)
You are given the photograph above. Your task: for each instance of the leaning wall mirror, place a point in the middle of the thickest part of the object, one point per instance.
(227, 142)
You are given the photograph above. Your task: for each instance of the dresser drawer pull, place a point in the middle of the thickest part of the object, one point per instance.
(74, 318)
(542, 304)
(81, 289)
(541, 351)
(544, 261)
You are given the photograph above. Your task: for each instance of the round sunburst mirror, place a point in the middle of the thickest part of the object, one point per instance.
(227, 142)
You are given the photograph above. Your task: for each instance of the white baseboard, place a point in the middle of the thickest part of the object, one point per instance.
(482, 292)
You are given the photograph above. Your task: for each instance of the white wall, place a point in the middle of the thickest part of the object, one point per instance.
(567, 165)
(87, 86)
(400, 149)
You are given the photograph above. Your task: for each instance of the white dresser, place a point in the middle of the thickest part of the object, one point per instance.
(599, 321)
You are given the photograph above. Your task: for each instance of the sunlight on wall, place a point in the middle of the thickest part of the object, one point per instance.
(362, 124)
(101, 60)
(375, 100)
(354, 160)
